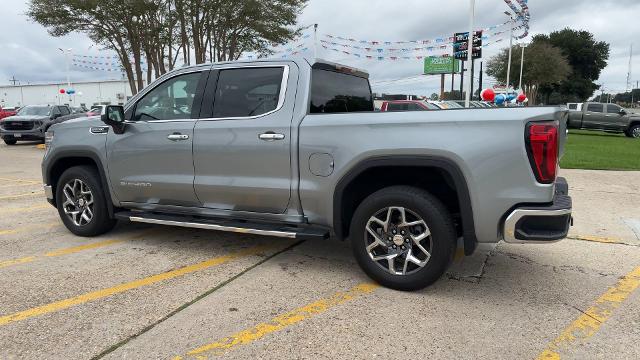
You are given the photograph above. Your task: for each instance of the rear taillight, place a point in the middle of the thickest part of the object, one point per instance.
(542, 148)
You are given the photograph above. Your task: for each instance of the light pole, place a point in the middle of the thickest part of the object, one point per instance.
(67, 57)
(522, 45)
(472, 10)
(510, 46)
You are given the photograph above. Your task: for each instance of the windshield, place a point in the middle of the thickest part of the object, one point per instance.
(34, 110)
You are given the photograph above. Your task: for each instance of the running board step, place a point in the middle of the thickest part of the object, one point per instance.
(302, 232)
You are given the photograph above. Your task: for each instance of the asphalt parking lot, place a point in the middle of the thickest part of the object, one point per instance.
(159, 292)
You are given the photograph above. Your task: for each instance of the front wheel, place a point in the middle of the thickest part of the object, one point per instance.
(10, 141)
(403, 237)
(633, 132)
(81, 202)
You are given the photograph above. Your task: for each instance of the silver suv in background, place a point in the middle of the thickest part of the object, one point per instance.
(294, 149)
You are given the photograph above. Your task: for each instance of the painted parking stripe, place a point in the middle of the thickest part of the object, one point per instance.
(19, 180)
(587, 324)
(76, 249)
(600, 239)
(21, 184)
(103, 293)
(19, 196)
(28, 228)
(280, 322)
(13, 210)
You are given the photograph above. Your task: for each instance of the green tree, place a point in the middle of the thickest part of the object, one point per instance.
(162, 30)
(434, 96)
(543, 65)
(587, 58)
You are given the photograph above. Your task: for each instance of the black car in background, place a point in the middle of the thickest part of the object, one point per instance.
(30, 123)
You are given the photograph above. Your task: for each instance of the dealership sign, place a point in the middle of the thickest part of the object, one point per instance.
(440, 65)
(461, 43)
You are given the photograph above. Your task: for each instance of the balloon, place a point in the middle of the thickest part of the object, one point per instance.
(526, 99)
(510, 97)
(79, 93)
(488, 94)
(500, 98)
(521, 97)
(70, 91)
(62, 91)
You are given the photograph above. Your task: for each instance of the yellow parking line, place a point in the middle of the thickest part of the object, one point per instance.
(21, 184)
(281, 321)
(587, 324)
(24, 209)
(75, 249)
(23, 260)
(18, 180)
(99, 294)
(17, 196)
(606, 240)
(27, 228)
(40, 146)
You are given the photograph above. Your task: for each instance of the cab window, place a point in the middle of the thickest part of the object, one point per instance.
(613, 109)
(595, 108)
(171, 100)
(247, 92)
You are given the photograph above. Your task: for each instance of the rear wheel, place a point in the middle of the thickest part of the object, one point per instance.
(10, 141)
(82, 203)
(403, 237)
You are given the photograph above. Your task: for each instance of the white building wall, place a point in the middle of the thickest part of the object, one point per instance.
(87, 93)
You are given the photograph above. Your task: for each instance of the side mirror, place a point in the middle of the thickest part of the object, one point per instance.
(113, 116)
(55, 116)
(623, 112)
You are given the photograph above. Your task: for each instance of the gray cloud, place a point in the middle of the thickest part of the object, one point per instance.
(31, 55)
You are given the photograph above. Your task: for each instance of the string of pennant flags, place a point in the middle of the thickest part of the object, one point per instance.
(522, 15)
(401, 57)
(437, 40)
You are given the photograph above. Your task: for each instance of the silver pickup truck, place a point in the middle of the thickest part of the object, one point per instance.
(294, 149)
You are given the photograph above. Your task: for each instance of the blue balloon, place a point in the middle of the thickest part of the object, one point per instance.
(70, 91)
(510, 97)
(500, 98)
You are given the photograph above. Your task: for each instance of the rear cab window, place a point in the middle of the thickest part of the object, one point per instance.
(337, 89)
(595, 108)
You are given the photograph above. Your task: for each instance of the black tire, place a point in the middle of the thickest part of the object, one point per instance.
(428, 208)
(100, 222)
(633, 132)
(10, 141)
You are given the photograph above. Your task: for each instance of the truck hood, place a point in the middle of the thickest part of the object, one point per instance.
(26, 118)
(81, 122)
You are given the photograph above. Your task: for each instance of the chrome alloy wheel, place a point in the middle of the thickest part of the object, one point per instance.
(78, 202)
(636, 132)
(398, 240)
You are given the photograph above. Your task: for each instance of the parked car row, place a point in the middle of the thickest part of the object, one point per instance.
(31, 122)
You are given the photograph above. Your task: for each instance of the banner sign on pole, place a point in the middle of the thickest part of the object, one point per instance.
(440, 65)
(460, 45)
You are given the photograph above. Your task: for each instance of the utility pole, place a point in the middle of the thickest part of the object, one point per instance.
(315, 42)
(13, 80)
(510, 47)
(522, 45)
(472, 10)
(480, 81)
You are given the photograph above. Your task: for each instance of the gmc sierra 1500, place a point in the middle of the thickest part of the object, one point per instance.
(293, 149)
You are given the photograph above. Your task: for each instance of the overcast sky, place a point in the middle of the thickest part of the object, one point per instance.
(30, 54)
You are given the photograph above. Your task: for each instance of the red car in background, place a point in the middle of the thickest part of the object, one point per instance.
(6, 113)
(406, 105)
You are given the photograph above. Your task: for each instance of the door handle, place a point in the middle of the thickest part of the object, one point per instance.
(177, 137)
(271, 136)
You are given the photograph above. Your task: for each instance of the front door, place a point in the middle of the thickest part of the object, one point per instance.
(152, 161)
(615, 119)
(242, 151)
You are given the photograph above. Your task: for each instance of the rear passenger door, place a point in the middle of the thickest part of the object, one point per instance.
(242, 142)
(594, 117)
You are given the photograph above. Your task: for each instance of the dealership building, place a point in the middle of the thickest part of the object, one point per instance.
(86, 93)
